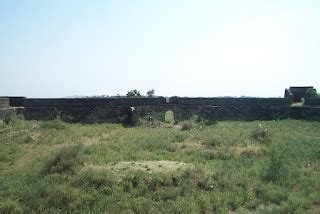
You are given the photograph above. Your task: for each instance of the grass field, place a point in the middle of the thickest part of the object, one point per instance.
(228, 167)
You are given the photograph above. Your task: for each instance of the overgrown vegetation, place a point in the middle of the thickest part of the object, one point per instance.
(10, 118)
(242, 167)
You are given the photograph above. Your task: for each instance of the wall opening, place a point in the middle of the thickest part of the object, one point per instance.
(169, 117)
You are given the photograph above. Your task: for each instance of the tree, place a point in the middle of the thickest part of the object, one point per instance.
(134, 93)
(150, 93)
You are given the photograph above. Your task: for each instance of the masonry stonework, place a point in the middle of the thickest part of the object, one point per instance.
(98, 110)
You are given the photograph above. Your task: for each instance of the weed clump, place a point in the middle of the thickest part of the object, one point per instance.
(64, 161)
(261, 134)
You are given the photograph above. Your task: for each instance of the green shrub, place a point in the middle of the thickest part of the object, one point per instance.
(63, 161)
(275, 168)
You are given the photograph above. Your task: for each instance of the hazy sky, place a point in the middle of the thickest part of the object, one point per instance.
(57, 48)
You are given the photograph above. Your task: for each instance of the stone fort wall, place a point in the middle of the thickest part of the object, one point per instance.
(91, 110)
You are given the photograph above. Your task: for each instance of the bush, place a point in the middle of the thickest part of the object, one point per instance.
(275, 168)
(187, 127)
(64, 161)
